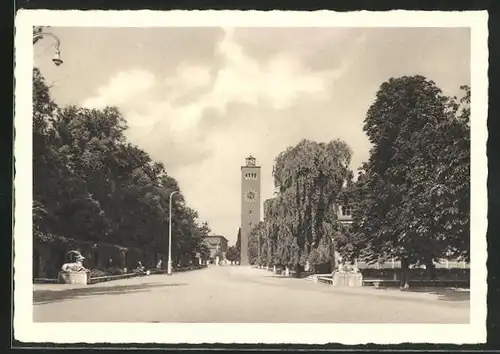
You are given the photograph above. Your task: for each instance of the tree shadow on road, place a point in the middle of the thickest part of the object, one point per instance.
(291, 277)
(444, 294)
(49, 296)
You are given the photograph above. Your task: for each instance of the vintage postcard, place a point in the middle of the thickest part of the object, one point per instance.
(250, 177)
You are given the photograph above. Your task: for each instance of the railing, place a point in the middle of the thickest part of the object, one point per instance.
(325, 280)
(100, 279)
(45, 281)
(395, 283)
(394, 264)
(418, 282)
(104, 278)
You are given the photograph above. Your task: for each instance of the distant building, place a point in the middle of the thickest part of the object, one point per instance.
(216, 244)
(344, 213)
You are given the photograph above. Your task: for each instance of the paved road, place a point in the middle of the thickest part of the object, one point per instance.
(231, 294)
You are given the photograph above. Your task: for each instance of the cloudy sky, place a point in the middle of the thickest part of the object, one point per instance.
(202, 99)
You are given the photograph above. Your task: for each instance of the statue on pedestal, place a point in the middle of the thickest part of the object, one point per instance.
(347, 274)
(77, 265)
(343, 267)
(75, 272)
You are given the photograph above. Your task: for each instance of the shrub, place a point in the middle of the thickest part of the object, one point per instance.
(94, 273)
(114, 271)
(417, 273)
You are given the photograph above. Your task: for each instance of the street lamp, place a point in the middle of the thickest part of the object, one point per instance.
(169, 262)
(258, 249)
(57, 55)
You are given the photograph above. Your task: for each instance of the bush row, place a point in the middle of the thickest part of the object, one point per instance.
(94, 273)
(417, 273)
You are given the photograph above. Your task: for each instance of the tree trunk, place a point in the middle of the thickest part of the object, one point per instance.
(405, 278)
(431, 269)
(298, 270)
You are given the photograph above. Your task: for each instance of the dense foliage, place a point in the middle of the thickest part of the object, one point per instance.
(301, 221)
(411, 200)
(232, 254)
(412, 195)
(91, 184)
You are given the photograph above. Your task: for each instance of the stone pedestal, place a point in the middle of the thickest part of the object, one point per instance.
(274, 269)
(347, 279)
(287, 271)
(73, 277)
(307, 267)
(217, 260)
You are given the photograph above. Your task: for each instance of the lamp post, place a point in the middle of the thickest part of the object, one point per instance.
(259, 262)
(169, 262)
(57, 55)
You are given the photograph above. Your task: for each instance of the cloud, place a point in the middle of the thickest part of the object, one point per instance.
(201, 121)
(121, 88)
(262, 91)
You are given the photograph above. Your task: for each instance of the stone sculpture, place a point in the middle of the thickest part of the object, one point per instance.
(75, 272)
(77, 265)
(346, 275)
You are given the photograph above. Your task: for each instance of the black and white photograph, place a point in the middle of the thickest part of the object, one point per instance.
(247, 177)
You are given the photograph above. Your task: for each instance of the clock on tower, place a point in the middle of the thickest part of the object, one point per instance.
(250, 203)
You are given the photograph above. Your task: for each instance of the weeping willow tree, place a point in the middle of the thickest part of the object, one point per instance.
(256, 240)
(302, 217)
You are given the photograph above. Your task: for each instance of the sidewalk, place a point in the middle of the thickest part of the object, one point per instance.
(450, 295)
(153, 278)
(415, 293)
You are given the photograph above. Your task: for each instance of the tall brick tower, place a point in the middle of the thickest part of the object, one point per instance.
(250, 204)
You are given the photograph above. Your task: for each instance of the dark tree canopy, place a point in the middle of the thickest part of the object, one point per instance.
(412, 196)
(302, 217)
(91, 184)
(410, 200)
(232, 254)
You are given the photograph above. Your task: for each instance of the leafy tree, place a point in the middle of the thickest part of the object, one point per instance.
(256, 244)
(238, 245)
(451, 188)
(407, 206)
(232, 254)
(302, 217)
(37, 30)
(91, 184)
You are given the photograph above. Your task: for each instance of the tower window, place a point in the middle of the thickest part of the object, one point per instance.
(251, 176)
(249, 212)
(346, 210)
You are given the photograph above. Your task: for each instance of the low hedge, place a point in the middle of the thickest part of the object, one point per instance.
(193, 267)
(417, 273)
(94, 273)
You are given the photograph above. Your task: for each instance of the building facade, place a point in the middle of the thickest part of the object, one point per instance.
(250, 204)
(344, 214)
(217, 245)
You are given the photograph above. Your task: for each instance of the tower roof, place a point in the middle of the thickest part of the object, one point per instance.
(250, 161)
